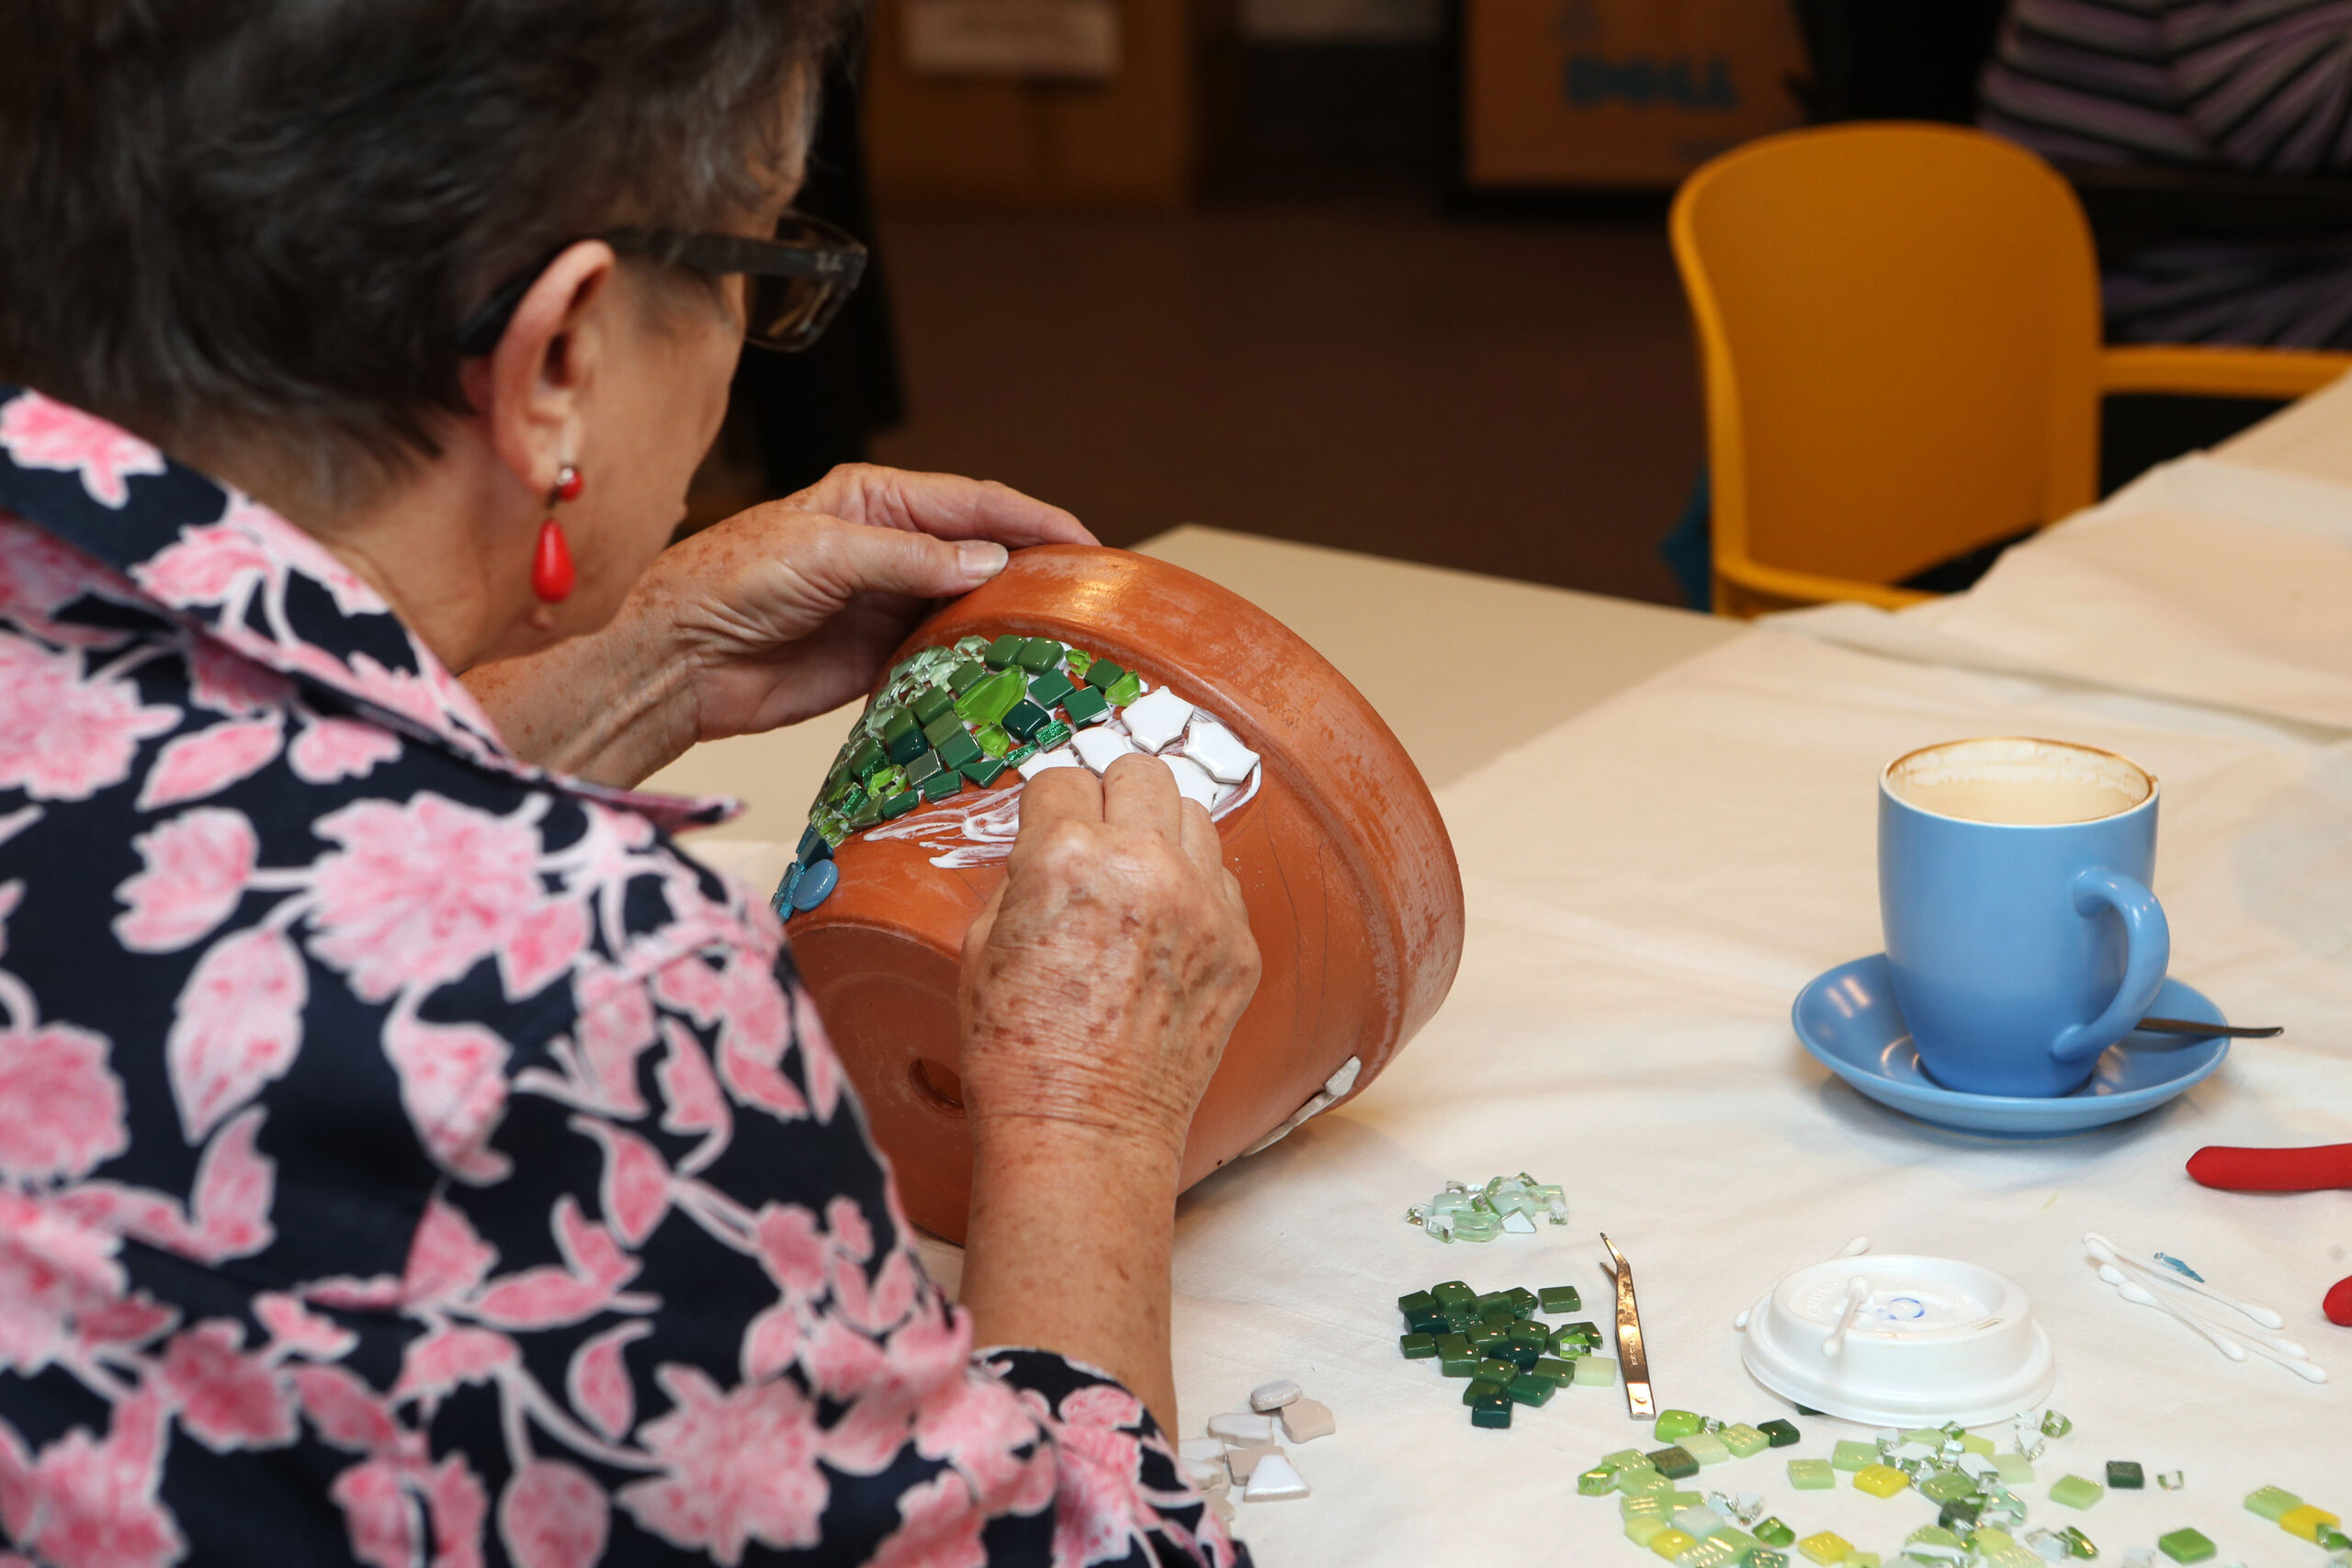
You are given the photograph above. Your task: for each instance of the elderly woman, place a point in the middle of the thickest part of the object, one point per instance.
(408, 1153)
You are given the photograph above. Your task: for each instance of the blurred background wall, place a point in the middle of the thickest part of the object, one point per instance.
(1385, 275)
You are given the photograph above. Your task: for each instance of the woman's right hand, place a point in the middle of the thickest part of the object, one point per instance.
(1101, 980)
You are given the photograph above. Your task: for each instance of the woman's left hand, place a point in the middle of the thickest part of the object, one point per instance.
(788, 610)
(777, 614)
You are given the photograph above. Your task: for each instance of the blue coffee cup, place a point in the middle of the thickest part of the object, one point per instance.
(2021, 938)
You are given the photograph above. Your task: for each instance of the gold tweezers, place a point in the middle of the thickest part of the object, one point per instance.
(1633, 1362)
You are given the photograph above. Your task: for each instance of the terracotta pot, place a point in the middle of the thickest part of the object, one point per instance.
(1348, 876)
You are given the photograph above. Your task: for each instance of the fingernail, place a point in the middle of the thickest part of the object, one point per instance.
(980, 559)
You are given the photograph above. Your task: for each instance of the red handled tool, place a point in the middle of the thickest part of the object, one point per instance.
(2282, 1171)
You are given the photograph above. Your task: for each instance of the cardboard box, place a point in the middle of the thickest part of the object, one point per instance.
(1618, 94)
(952, 134)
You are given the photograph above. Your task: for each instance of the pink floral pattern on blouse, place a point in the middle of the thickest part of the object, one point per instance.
(411, 1160)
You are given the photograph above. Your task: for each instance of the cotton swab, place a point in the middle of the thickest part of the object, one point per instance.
(2106, 1251)
(1853, 1249)
(2309, 1371)
(1858, 1290)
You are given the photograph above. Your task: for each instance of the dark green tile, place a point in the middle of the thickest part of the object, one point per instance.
(1103, 675)
(919, 770)
(1019, 754)
(1416, 1346)
(983, 770)
(1053, 734)
(1523, 1300)
(1488, 1391)
(1529, 1389)
(1038, 655)
(940, 728)
(940, 786)
(1557, 1299)
(929, 705)
(1048, 689)
(1497, 1416)
(1492, 1370)
(899, 805)
(1025, 720)
(1003, 651)
(958, 749)
(1783, 1434)
(1673, 1464)
(1086, 708)
(863, 758)
(960, 679)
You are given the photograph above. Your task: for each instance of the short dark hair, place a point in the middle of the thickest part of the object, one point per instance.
(228, 218)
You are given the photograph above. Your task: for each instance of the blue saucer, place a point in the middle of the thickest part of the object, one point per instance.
(1848, 1018)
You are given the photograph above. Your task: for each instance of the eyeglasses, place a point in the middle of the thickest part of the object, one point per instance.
(798, 281)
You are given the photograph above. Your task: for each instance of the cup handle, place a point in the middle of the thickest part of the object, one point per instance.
(2147, 950)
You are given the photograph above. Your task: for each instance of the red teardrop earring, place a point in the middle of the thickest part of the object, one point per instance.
(551, 573)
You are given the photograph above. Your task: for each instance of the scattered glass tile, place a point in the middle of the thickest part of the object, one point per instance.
(2306, 1521)
(1417, 1346)
(2171, 1480)
(983, 770)
(2074, 1491)
(1851, 1454)
(1643, 1528)
(1705, 1447)
(899, 805)
(965, 676)
(1125, 689)
(1048, 689)
(2186, 1546)
(1880, 1480)
(2125, 1475)
(1674, 1424)
(1825, 1547)
(1596, 1481)
(2078, 1544)
(2053, 1424)
(2271, 1503)
(1783, 1434)
(1707, 1553)
(931, 706)
(1086, 706)
(1038, 655)
(1595, 1372)
(1673, 1464)
(1945, 1487)
(1102, 675)
(2015, 1470)
(1672, 1543)
(1812, 1474)
(1078, 661)
(1743, 1441)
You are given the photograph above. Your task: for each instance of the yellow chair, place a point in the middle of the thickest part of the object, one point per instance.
(1899, 333)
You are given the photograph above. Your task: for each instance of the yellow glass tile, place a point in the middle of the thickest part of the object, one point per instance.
(2306, 1521)
(1880, 1480)
(1827, 1548)
(1672, 1543)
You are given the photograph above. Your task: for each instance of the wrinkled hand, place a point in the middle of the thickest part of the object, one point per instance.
(1103, 979)
(788, 610)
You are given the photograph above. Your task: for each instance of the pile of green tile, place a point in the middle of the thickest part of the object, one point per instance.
(1980, 1521)
(952, 716)
(1495, 1342)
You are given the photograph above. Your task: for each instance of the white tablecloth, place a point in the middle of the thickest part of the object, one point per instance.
(1648, 886)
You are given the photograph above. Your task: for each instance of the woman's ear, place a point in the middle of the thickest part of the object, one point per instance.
(530, 388)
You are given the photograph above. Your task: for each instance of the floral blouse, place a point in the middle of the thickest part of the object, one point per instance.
(409, 1158)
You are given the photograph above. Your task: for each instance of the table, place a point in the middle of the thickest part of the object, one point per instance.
(1700, 846)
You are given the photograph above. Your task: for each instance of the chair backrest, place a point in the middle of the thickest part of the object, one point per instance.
(1898, 327)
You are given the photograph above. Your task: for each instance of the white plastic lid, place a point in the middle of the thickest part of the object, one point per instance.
(1933, 1340)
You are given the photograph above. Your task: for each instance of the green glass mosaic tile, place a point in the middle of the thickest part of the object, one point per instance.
(899, 805)
(1053, 734)
(1672, 1543)
(1961, 1514)
(902, 737)
(1078, 661)
(1019, 754)
(940, 786)
(993, 741)
(1596, 1481)
(2125, 1475)
(1463, 1365)
(964, 675)
(931, 706)
(1595, 1372)
(1103, 674)
(1555, 1369)
(1125, 689)
(2015, 1470)
(1880, 1480)
(1003, 651)
(1558, 1299)
(1783, 1434)
(1453, 1294)
(1522, 1300)
(1038, 655)
(1641, 1480)
(1706, 1447)
(958, 748)
(990, 700)
(865, 757)
(921, 768)
(866, 816)
(1852, 1454)
(1522, 1332)
(1773, 1532)
(1493, 1370)
(982, 770)
(940, 728)
(1673, 1464)
(1048, 689)
(1945, 1487)
(1086, 708)
(1626, 1458)
(1529, 1389)
(1743, 1441)
(887, 780)
(1416, 1346)
(1485, 1391)
(1497, 1416)
(2074, 1491)
(1812, 1475)
(1643, 1528)
(1025, 719)
(2272, 1502)
(1671, 1425)
(1426, 1320)
(1523, 1357)
(2186, 1546)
